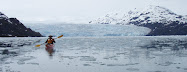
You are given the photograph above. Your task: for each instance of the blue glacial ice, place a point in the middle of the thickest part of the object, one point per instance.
(88, 30)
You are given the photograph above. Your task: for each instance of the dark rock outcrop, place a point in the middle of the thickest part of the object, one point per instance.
(11, 27)
(174, 28)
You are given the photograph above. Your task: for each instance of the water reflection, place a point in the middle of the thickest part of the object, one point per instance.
(166, 52)
(167, 47)
(172, 44)
(50, 49)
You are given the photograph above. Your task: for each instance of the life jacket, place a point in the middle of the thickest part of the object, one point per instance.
(50, 41)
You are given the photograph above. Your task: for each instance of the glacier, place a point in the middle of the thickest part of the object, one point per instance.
(88, 30)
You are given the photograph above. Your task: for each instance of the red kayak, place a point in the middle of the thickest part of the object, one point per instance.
(49, 46)
(49, 49)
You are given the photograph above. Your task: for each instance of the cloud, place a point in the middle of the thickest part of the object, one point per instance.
(76, 10)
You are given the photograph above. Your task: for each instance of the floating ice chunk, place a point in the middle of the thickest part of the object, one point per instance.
(33, 63)
(86, 64)
(87, 58)
(20, 62)
(115, 65)
(70, 57)
(132, 69)
(166, 63)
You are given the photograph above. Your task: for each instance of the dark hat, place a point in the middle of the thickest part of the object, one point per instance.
(50, 36)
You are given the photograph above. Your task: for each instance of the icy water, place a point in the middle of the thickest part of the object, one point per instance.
(106, 54)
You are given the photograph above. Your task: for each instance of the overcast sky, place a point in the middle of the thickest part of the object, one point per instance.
(78, 10)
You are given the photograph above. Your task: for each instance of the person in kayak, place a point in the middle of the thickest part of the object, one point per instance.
(49, 46)
(50, 40)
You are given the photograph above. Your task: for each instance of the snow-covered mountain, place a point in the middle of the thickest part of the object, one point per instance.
(13, 27)
(156, 18)
(3, 16)
(149, 14)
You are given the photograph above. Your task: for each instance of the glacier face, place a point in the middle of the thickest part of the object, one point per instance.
(150, 14)
(88, 30)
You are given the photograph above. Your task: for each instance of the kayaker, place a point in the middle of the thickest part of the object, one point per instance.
(50, 40)
(49, 45)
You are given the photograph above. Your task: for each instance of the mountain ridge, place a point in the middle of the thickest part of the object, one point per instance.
(12, 27)
(155, 12)
(156, 18)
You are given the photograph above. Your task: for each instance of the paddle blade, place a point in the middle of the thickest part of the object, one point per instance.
(37, 45)
(60, 36)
